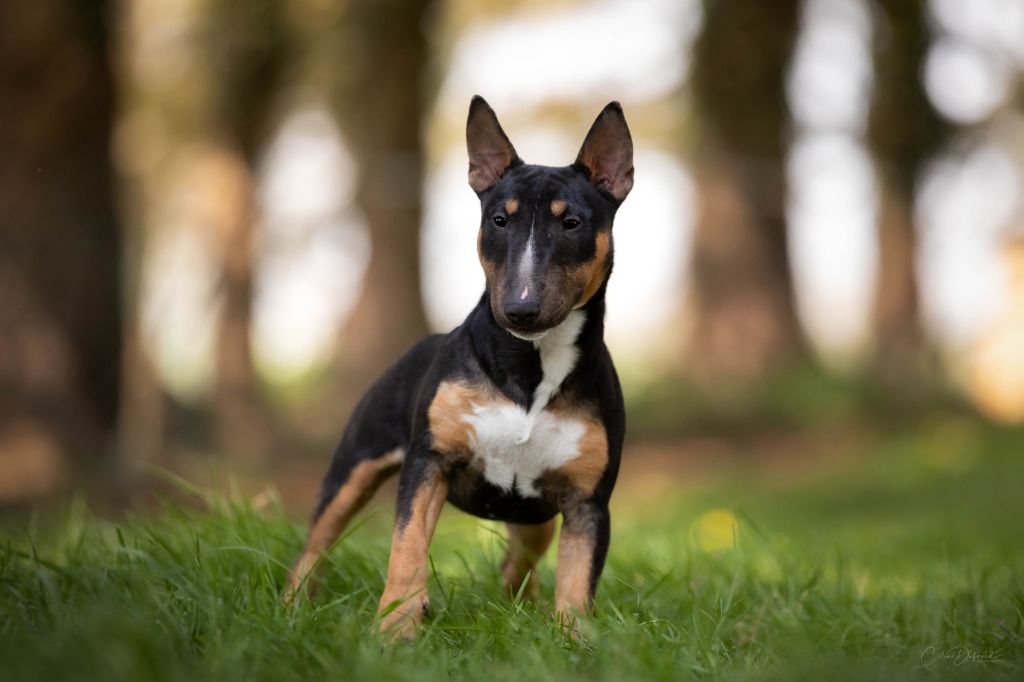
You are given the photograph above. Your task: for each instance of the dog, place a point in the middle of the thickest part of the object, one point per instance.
(517, 414)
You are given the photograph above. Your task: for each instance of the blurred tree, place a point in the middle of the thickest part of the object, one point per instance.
(745, 320)
(904, 132)
(380, 79)
(246, 44)
(60, 246)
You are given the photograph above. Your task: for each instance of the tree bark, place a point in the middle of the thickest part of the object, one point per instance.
(242, 425)
(247, 49)
(60, 247)
(744, 314)
(904, 132)
(381, 106)
(898, 351)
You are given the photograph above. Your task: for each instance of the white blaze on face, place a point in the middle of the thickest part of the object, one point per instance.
(526, 268)
(526, 292)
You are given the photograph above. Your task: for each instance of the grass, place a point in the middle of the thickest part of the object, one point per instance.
(904, 563)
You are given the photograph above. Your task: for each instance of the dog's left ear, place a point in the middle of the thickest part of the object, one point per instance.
(607, 153)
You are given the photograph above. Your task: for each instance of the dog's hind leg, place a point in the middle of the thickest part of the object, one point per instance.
(526, 546)
(346, 489)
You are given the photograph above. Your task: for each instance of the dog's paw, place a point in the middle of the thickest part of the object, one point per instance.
(399, 628)
(569, 622)
(400, 618)
(301, 579)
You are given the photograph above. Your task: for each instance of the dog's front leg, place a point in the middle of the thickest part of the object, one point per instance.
(422, 491)
(582, 547)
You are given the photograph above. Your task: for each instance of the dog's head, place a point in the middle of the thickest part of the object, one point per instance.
(545, 238)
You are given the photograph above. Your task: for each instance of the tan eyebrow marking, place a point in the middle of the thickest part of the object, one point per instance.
(511, 206)
(557, 207)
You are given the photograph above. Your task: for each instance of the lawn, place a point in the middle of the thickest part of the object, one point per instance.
(906, 562)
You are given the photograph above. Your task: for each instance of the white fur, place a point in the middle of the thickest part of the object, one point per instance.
(515, 445)
(526, 261)
(558, 355)
(528, 336)
(509, 461)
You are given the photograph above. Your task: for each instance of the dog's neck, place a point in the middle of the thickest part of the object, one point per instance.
(532, 371)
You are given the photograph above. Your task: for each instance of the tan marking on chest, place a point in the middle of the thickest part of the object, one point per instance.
(447, 412)
(585, 471)
(485, 425)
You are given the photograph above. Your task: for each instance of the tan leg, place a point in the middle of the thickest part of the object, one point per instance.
(355, 492)
(526, 545)
(408, 567)
(582, 546)
(572, 586)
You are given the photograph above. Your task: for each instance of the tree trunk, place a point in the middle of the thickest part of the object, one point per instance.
(745, 323)
(242, 426)
(248, 47)
(744, 314)
(904, 132)
(898, 350)
(381, 106)
(60, 248)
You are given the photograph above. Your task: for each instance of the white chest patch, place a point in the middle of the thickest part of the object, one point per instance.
(558, 355)
(509, 461)
(516, 446)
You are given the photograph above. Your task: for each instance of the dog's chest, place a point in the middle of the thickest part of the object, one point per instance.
(513, 448)
(510, 445)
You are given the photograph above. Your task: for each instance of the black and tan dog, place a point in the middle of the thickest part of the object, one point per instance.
(517, 414)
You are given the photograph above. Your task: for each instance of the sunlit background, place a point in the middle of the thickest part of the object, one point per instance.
(316, 245)
(248, 245)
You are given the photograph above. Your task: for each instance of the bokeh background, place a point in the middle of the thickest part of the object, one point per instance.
(220, 219)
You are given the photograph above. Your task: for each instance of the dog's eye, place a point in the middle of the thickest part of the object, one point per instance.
(570, 223)
(500, 220)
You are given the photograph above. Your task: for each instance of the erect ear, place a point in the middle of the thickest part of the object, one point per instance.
(607, 153)
(490, 152)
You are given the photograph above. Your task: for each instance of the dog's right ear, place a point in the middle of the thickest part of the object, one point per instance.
(490, 152)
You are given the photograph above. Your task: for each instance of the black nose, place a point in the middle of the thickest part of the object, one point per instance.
(521, 313)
